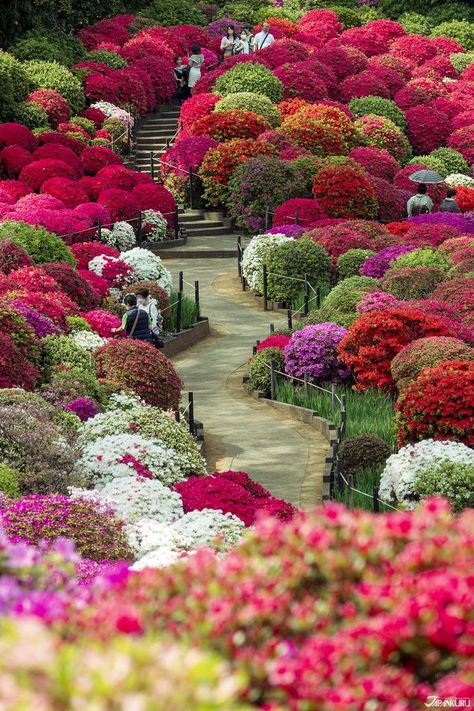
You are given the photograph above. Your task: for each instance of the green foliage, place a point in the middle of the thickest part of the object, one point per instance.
(349, 263)
(259, 369)
(460, 30)
(362, 451)
(250, 101)
(250, 77)
(61, 350)
(69, 384)
(174, 12)
(328, 314)
(293, 14)
(452, 480)
(9, 482)
(461, 61)
(68, 422)
(347, 15)
(111, 59)
(380, 107)
(447, 160)
(77, 323)
(424, 257)
(84, 123)
(451, 10)
(32, 116)
(51, 75)
(57, 46)
(307, 167)
(414, 23)
(15, 86)
(347, 294)
(288, 263)
(41, 245)
(189, 313)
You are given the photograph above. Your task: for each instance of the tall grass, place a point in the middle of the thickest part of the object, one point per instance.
(189, 313)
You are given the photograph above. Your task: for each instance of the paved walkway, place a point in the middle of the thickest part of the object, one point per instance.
(285, 456)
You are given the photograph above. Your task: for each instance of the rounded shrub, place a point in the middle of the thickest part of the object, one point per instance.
(380, 107)
(384, 133)
(363, 451)
(345, 191)
(461, 31)
(15, 85)
(347, 294)
(259, 372)
(249, 77)
(312, 350)
(423, 258)
(41, 245)
(51, 75)
(9, 485)
(348, 264)
(63, 351)
(412, 282)
(257, 103)
(445, 161)
(287, 264)
(453, 481)
(426, 353)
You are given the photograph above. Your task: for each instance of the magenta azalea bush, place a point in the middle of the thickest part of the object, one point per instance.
(377, 265)
(313, 350)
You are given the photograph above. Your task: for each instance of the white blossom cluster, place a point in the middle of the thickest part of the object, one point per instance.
(154, 226)
(459, 180)
(121, 236)
(254, 256)
(403, 468)
(115, 112)
(88, 340)
(147, 267)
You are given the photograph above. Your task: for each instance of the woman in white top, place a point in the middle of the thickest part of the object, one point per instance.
(196, 60)
(263, 39)
(227, 42)
(242, 44)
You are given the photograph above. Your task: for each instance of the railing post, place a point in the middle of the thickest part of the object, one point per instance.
(197, 299)
(177, 415)
(181, 281)
(306, 384)
(139, 229)
(265, 288)
(176, 223)
(191, 412)
(239, 256)
(272, 380)
(254, 350)
(272, 328)
(342, 427)
(318, 297)
(99, 229)
(333, 395)
(152, 166)
(375, 496)
(178, 312)
(191, 196)
(306, 296)
(296, 217)
(290, 317)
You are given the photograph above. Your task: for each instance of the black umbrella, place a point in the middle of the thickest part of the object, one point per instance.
(426, 176)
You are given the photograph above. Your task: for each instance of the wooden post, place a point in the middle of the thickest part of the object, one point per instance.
(176, 223)
(152, 166)
(333, 395)
(191, 412)
(178, 312)
(350, 493)
(177, 415)
(265, 288)
(306, 384)
(318, 297)
(239, 259)
(375, 496)
(181, 281)
(290, 317)
(197, 299)
(272, 328)
(99, 229)
(129, 139)
(306, 296)
(296, 217)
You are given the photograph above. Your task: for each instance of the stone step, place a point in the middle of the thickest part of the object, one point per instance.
(162, 126)
(207, 230)
(193, 224)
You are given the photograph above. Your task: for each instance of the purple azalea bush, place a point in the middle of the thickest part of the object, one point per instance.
(294, 231)
(218, 28)
(459, 222)
(377, 265)
(313, 350)
(83, 407)
(42, 325)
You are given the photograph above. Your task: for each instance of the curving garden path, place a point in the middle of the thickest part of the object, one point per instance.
(285, 456)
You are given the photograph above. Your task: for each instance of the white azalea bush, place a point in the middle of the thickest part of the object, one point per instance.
(255, 254)
(154, 426)
(121, 236)
(147, 267)
(404, 468)
(459, 180)
(123, 455)
(115, 112)
(88, 340)
(123, 401)
(154, 226)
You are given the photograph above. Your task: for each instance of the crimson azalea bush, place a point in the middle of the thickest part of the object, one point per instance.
(142, 368)
(12, 257)
(72, 284)
(351, 234)
(426, 353)
(275, 341)
(376, 337)
(13, 324)
(376, 161)
(299, 81)
(121, 205)
(36, 173)
(458, 293)
(391, 201)
(102, 322)
(12, 161)
(343, 191)
(54, 305)
(226, 125)
(68, 191)
(16, 371)
(84, 252)
(298, 211)
(439, 404)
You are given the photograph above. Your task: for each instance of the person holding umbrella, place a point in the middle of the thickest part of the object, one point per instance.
(421, 203)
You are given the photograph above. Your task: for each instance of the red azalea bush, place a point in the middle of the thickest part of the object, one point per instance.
(391, 201)
(196, 107)
(68, 191)
(416, 48)
(120, 204)
(462, 140)
(72, 284)
(426, 353)
(365, 39)
(13, 257)
(341, 60)
(142, 368)
(95, 115)
(16, 371)
(459, 294)
(15, 134)
(351, 234)
(102, 322)
(465, 118)
(300, 82)
(426, 130)
(376, 337)
(436, 68)
(283, 51)
(61, 139)
(419, 91)
(118, 176)
(429, 235)
(439, 404)
(376, 161)
(288, 107)
(94, 212)
(281, 27)
(99, 285)
(298, 211)
(343, 191)
(12, 160)
(32, 278)
(14, 325)
(465, 199)
(15, 188)
(35, 174)
(225, 125)
(84, 252)
(96, 157)
(382, 132)
(149, 196)
(56, 151)
(277, 341)
(367, 83)
(324, 130)
(55, 105)
(227, 495)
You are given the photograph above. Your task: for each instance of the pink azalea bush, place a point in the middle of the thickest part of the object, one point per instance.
(313, 350)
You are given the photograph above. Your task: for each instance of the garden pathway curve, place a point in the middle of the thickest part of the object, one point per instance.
(285, 456)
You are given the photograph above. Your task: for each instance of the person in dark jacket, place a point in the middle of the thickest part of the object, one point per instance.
(135, 321)
(449, 203)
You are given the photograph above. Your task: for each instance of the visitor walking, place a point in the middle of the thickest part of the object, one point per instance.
(196, 60)
(263, 39)
(227, 42)
(421, 203)
(449, 203)
(180, 73)
(135, 321)
(242, 43)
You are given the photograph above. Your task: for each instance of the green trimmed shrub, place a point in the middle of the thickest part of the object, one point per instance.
(426, 353)
(411, 282)
(69, 384)
(84, 123)
(32, 116)
(9, 485)
(328, 314)
(452, 480)
(461, 61)
(294, 259)
(250, 101)
(259, 372)
(449, 10)
(15, 86)
(447, 160)
(77, 323)
(460, 30)
(348, 15)
(347, 294)
(415, 23)
(68, 422)
(307, 167)
(362, 452)
(350, 262)
(51, 75)
(173, 12)
(380, 107)
(423, 257)
(62, 350)
(248, 77)
(41, 245)
(111, 59)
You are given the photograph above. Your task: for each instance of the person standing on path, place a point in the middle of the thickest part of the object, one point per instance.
(227, 42)
(263, 39)
(196, 60)
(242, 44)
(135, 321)
(449, 203)
(421, 203)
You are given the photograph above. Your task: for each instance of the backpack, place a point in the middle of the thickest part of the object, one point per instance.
(419, 209)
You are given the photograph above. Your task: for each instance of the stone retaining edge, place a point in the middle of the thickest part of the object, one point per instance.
(187, 338)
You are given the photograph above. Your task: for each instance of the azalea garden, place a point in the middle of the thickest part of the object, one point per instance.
(132, 575)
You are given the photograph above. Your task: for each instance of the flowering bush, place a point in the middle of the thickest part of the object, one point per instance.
(15, 371)
(313, 350)
(299, 211)
(465, 198)
(142, 368)
(147, 267)
(378, 106)
(259, 372)
(343, 235)
(426, 131)
(156, 292)
(13, 323)
(426, 353)
(234, 123)
(121, 205)
(115, 271)
(15, 134)
(12, 257)
(458, 293)
(185, 154)
(41, 245)
(12, 161)
(376, 161)
(36, 173)
(349, 264)
(324, 130)
(439, 404)
(449, 479)
(391, 201)
(84, 252)
(149, 196)
(72, 284)
(63, 351)
(376, 265)
(41, 325)
(102, 322)
(276, 341)
(411, 282)
(97, 535)
(87, 340)
(376, 337)
(256, 255)
(121, 236)
(196, 107)
(249, 77)
(298, 81)
(56, 107)
(402, 470)
(383, 133)
(68, 191)
(343, 191)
